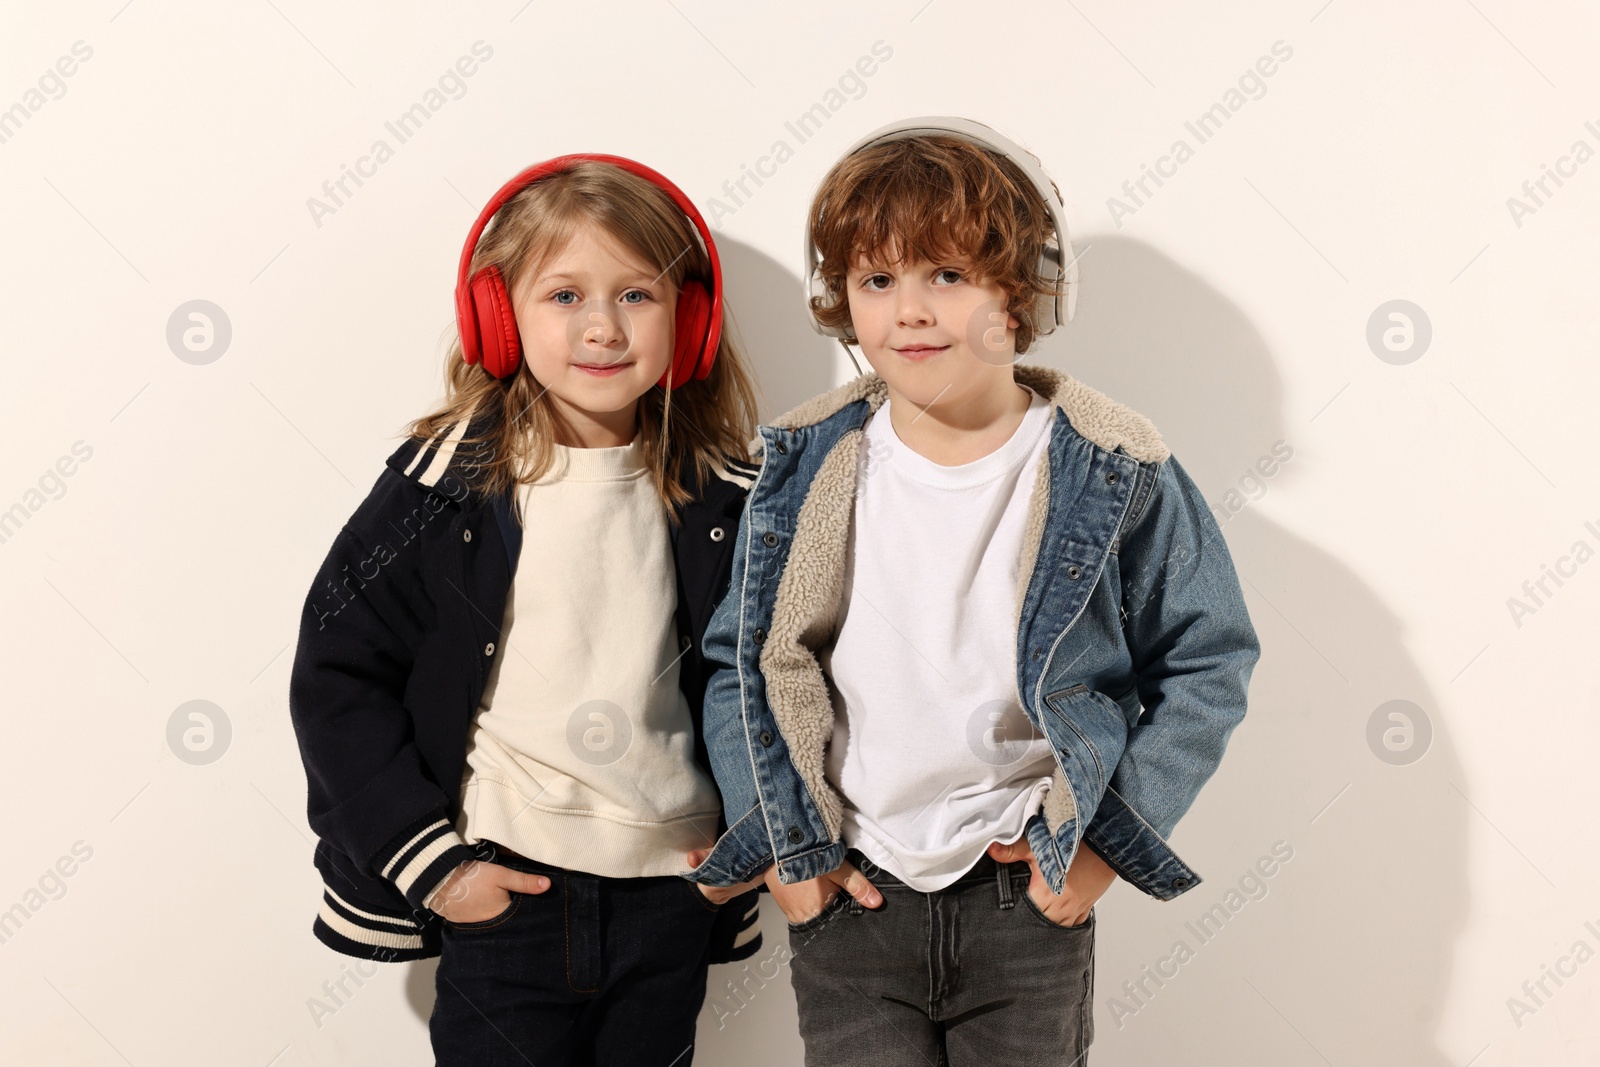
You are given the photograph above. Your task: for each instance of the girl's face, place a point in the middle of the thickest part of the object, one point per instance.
(596, 326)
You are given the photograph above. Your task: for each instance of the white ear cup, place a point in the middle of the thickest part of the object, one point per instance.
(1056, 258)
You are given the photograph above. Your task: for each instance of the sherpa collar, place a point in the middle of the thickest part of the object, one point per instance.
(1094, 415)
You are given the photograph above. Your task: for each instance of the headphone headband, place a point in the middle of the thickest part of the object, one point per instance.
(1056, 262)
(466, 318)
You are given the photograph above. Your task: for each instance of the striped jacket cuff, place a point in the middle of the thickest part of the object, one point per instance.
(421, 857)
(736, 935)
(747, 935)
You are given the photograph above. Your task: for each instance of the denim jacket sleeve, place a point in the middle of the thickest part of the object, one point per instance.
(1192, 647)
(744, 849)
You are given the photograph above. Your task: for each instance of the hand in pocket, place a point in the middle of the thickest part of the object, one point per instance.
(1087, 880)
(477, 891)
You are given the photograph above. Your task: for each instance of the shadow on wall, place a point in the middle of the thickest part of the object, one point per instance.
(1347, 947)
(790, 360)
(1344, 953)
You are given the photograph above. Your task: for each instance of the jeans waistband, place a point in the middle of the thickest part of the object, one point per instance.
(986, 869)
(495, 852)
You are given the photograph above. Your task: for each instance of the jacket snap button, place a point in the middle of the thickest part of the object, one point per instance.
(769, 539)
(1111, 479)
(796, 835)
(684, 642)
(488, 650)
(1074, 572)
(466, 535)
(766, 738)
(781, 447)
(716, 533)
(1179, 883)
(760, 635)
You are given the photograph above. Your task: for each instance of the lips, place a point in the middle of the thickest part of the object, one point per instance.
(601, 370)
(921, 351)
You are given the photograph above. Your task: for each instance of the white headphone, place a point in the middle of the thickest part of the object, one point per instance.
(1050, 311)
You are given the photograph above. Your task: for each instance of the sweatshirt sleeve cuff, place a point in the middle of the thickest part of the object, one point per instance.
(419, 858)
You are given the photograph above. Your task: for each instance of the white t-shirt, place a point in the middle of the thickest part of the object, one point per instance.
(931, 750)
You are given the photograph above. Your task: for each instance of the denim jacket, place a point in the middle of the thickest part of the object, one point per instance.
(1133, 645)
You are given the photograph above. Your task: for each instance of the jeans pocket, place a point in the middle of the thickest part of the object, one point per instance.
(829, 910)
(1037, 913)
(705, 901)
(489, 923)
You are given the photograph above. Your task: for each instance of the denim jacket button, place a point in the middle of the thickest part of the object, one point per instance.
(782, 448)
(766, 738)
(1179, 883)
(796, 834)
(1111, 479)
(1074, 572)
(760, 635)
(769, 539)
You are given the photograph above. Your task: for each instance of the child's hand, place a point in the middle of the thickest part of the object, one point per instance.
(1087, 880)
(805, 900)
(477, 890)
(719, 894)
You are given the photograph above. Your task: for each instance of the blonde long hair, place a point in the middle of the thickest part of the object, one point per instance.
(698, 422)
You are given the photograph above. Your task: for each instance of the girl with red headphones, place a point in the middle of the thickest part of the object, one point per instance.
(498, 683)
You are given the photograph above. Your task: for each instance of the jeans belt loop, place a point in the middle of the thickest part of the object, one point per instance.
(1003, 877)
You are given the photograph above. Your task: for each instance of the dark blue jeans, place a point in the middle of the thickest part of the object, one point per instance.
(593, 971)
(970, 974)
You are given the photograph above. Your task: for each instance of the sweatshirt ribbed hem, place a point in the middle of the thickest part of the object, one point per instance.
(586, 841)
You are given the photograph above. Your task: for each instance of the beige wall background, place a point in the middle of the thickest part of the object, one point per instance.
(1412, 501)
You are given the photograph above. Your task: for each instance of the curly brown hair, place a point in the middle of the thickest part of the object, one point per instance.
(696, 422)
(932, 197)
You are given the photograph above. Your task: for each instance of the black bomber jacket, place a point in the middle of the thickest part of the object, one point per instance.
(397, 637)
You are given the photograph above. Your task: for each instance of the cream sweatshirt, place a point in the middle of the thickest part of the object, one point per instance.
(581, 752)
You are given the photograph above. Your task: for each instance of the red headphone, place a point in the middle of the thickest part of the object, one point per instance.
(488, 325)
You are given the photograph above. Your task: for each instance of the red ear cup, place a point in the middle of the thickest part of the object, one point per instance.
(495, 322)
(690, 320)
(706, 343)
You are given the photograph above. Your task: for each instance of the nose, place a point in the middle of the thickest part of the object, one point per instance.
(600, 328)
(912, 307)
(594, 330)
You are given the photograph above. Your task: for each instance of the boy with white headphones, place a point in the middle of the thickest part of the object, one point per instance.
(979, 616)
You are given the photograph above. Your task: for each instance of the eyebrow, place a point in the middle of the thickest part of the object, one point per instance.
(545, 278)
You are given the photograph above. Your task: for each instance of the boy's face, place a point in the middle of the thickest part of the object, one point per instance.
(932, 331)
(597, 332)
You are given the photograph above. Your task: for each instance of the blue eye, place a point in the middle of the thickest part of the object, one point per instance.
(636, 292)
(564, 292)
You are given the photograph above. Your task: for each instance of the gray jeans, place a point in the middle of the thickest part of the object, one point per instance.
(970, 974)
